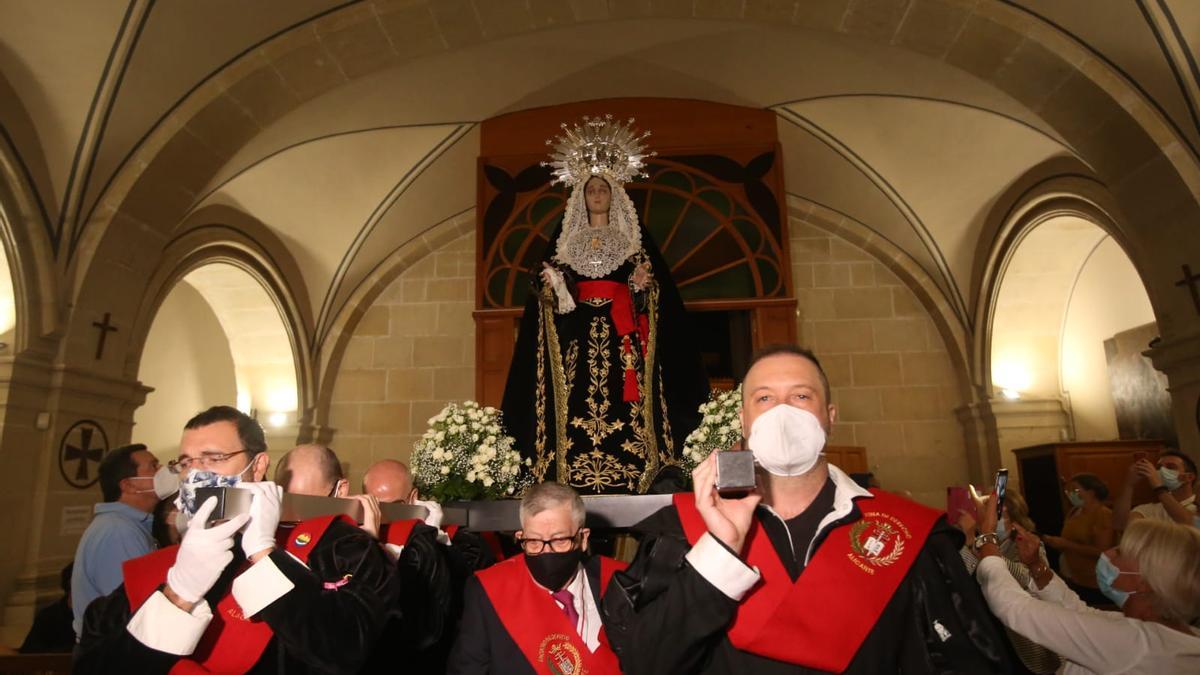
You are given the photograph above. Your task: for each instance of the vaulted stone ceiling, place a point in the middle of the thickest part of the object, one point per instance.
(912, 146)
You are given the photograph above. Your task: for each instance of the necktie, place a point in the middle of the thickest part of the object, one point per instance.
(567, 600)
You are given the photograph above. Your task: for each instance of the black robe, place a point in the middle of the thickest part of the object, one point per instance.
(315, 630)
(662, 616)
(420, 628)
(483, 644)
(601, 444)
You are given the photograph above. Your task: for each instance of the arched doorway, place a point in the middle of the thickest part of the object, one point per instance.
(1070, 320)
(218, 338)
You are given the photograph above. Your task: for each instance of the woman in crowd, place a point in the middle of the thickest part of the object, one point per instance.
(1035, 657)
(1153, 576)
(1087, 532)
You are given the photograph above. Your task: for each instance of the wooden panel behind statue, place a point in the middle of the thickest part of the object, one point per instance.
(604, 383)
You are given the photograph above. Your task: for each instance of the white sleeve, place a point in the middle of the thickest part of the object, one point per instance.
(161, 625)
(1099, 641)
(565, 302)
(259, 586)
(721, 568)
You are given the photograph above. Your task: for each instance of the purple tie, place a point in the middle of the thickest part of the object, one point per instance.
(567, 600)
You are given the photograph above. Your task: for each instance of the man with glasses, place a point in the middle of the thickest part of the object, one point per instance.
(539, 611)
(313, 602)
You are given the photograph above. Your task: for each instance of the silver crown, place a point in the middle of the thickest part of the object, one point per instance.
(598, 147)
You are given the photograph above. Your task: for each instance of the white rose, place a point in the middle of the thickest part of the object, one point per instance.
(470, 475)
(445, 470)
(490, 410)
(487, 481)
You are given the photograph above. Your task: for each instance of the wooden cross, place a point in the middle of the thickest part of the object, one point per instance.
(105, 328)
(1190, 280)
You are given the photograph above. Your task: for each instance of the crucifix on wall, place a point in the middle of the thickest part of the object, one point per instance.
(1192, 281)
(105, 328)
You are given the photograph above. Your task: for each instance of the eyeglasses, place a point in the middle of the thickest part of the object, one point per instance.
(557, 544)
(207, 460)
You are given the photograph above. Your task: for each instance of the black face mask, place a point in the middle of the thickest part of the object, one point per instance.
(553, 570)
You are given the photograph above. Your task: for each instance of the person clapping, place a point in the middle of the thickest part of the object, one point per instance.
(1153, 576)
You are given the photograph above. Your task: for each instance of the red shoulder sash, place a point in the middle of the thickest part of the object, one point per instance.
(397, 532)
(237, 649)
(821, 619)
(538, 625)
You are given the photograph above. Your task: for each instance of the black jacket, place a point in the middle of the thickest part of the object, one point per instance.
(315, 630)
(483, 644)
(662, 616)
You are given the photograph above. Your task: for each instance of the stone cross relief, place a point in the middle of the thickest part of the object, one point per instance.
(105, 328)
(1192, 281)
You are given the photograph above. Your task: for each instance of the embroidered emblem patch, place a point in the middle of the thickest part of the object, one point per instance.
(302, 539)
(877, 540)
(560, 656)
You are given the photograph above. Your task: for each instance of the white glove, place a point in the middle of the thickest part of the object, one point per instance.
(203, 553)
(264, 517)
(434, 519)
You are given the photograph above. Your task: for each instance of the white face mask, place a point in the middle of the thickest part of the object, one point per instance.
(166, 483)
(787, 441)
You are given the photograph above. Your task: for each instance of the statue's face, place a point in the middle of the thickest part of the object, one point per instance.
(597, 195)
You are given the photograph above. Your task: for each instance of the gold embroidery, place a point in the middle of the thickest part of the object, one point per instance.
(598, 302)
(648, 368)
(561, 392)
(670, 456)
(539, 434)
(596, 426)
(599, 471)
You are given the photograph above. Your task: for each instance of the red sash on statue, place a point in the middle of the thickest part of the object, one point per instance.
(540, 627)
(821, 619)
(624, 320)
(232, 643)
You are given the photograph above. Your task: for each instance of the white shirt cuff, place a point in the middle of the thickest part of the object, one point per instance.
(161, 625)
(721, 568)
(259, 586)
(393, 551)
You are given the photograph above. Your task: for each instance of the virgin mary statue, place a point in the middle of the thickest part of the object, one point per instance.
(606, 380)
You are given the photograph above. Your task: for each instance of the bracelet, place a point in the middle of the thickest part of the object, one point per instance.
(986, 538)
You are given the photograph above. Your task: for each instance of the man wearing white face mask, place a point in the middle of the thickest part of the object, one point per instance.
(120, 529)
(308, 598)
(807, 573)
(1171, 480)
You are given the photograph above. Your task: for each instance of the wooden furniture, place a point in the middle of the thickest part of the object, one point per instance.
(848, 458)
(35, 663)
(1043, 470)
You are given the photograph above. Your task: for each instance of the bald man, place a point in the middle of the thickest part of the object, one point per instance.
(390, 481)
(312, 470)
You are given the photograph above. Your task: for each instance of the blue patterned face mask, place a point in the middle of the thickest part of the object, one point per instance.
(1106, 576)
(1075, 498)
(199, 479)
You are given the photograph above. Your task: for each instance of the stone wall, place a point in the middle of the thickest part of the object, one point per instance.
(413, 351)
(892, 378)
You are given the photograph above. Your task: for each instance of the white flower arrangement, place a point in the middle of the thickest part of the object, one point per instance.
(466, 455)
(720, 429)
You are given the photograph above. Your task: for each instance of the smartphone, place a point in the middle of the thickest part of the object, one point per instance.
(1001, 486)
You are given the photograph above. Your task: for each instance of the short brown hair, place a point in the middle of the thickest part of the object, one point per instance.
(792, 350)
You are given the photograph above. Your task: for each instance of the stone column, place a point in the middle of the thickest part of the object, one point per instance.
(45, 513)
(994, 428)
(1179, 360)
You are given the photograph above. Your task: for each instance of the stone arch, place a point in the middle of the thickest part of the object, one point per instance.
(225, 236)
(30, 253)
(1051, 198)
(1115, 128)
